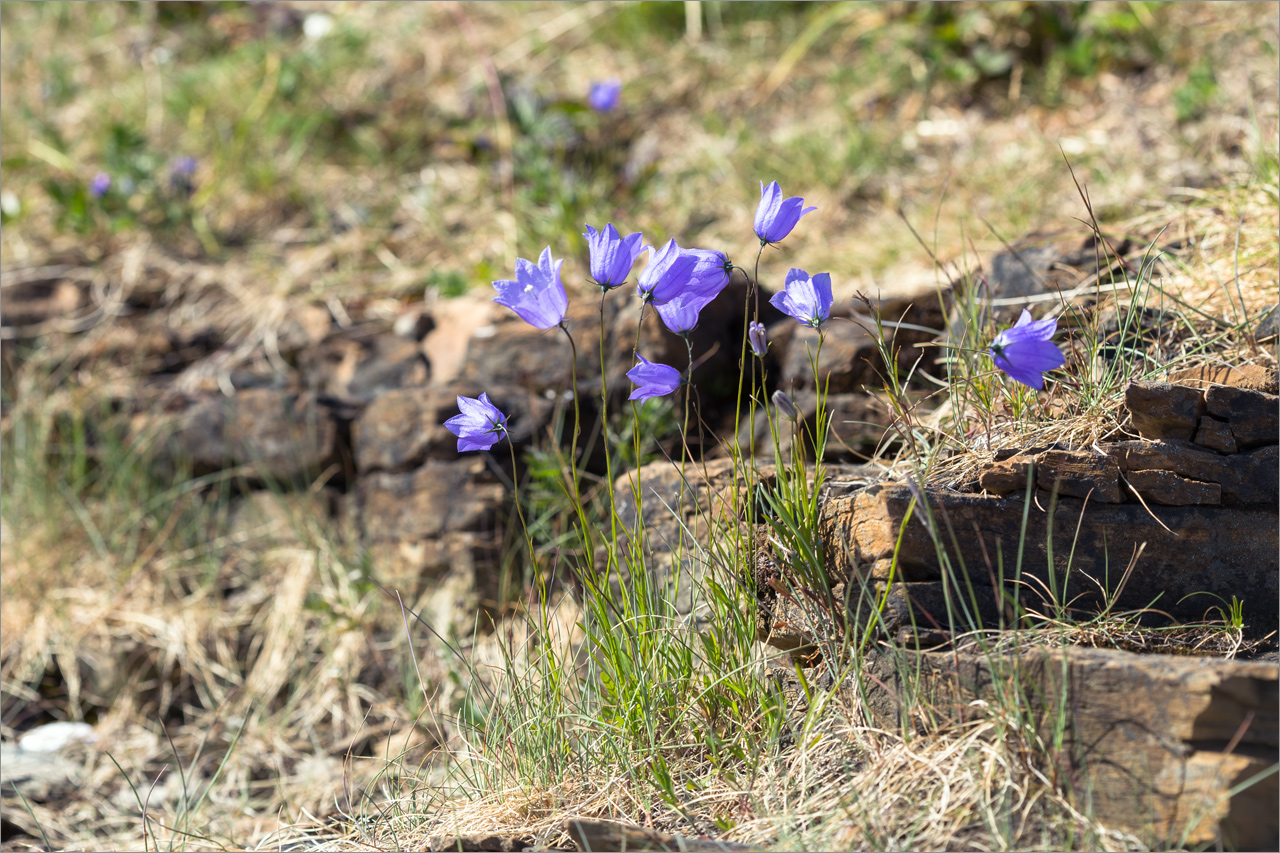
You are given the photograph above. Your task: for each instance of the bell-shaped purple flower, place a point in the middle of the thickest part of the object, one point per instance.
(668, 274)
(710, 273)
(806, 299)
(652, 380)
(99, 185)
(755, 337)
(604, 94)
(775, 215)
(1026, 350)
(680, 314)
(612, 255)
(537, 294)
(479, 426)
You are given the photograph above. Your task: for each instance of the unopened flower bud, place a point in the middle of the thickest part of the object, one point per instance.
(784, 404)
(755, 336)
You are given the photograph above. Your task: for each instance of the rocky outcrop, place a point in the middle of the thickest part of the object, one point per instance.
(1176, 749)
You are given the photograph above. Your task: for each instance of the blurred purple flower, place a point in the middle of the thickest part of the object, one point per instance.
(604, 94)
(1026, 350)
(536, 294)
(775, 215)
(612, 256)
(806, 299)
(479, 426)
(181, 170)
(755, 336)
(652, 380)
(99, 185)
(667, 275)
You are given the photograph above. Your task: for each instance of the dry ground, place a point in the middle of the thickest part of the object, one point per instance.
(372, 168)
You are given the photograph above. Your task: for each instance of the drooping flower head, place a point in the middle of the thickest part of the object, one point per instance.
(1026, 350)
(612, 256)
(755, 336)
(537, 294)
(668, 274)
(680, 314)
(479, 426)
(806, 299)
(652, 380)
(782, 400)
(775, 215)
(710, 273)
(99, 185)
(604, 94)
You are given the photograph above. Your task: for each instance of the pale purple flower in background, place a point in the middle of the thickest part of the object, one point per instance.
(785, 404)
(777, 216)
(612, 255)
(604, 94)
(806, 299)
(755, 336)
(652, 380)
(1026, 350)
(668, 274)
(479, 426)
(181, 171)
(99, 185)
(536, 294)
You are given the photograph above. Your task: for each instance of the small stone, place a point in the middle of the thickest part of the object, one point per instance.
(1002, 476)
(414, 324)
(1161, 410)
(1079, 474)
(1168, 489)
(1254, 416)
(1215, 435)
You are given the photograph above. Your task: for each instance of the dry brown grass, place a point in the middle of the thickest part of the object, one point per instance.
(238, 637)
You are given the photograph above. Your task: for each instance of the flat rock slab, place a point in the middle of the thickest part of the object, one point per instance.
(1180, 551)
(1162, 746)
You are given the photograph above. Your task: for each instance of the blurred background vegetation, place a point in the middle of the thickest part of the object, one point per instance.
(453, 137)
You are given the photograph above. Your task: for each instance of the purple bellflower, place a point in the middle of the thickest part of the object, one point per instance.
(1026, 350)
(479, 426)
(612, 255)
(604, 95)
(806, 299)
(680, 314)
(99, 185)
(181, 171)
(775, 215)
(668, 274)
(652, 380)
(782, 400)
(537, 294)
(755, 336)
(710, 273)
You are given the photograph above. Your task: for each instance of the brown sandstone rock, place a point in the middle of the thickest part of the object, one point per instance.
(1253, 376)
(273, 433)
(404, 426)
(1253, 415)
(1160, 410)
(1185, 550)
(355, 366)
(421, 504)
(1168, 489)
(849, 358)
(1001, 476)
(1155, 744)
(1079, 474)
(1215, 435)
(1246, 478)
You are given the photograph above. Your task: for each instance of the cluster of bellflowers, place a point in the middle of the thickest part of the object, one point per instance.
(678, 283)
